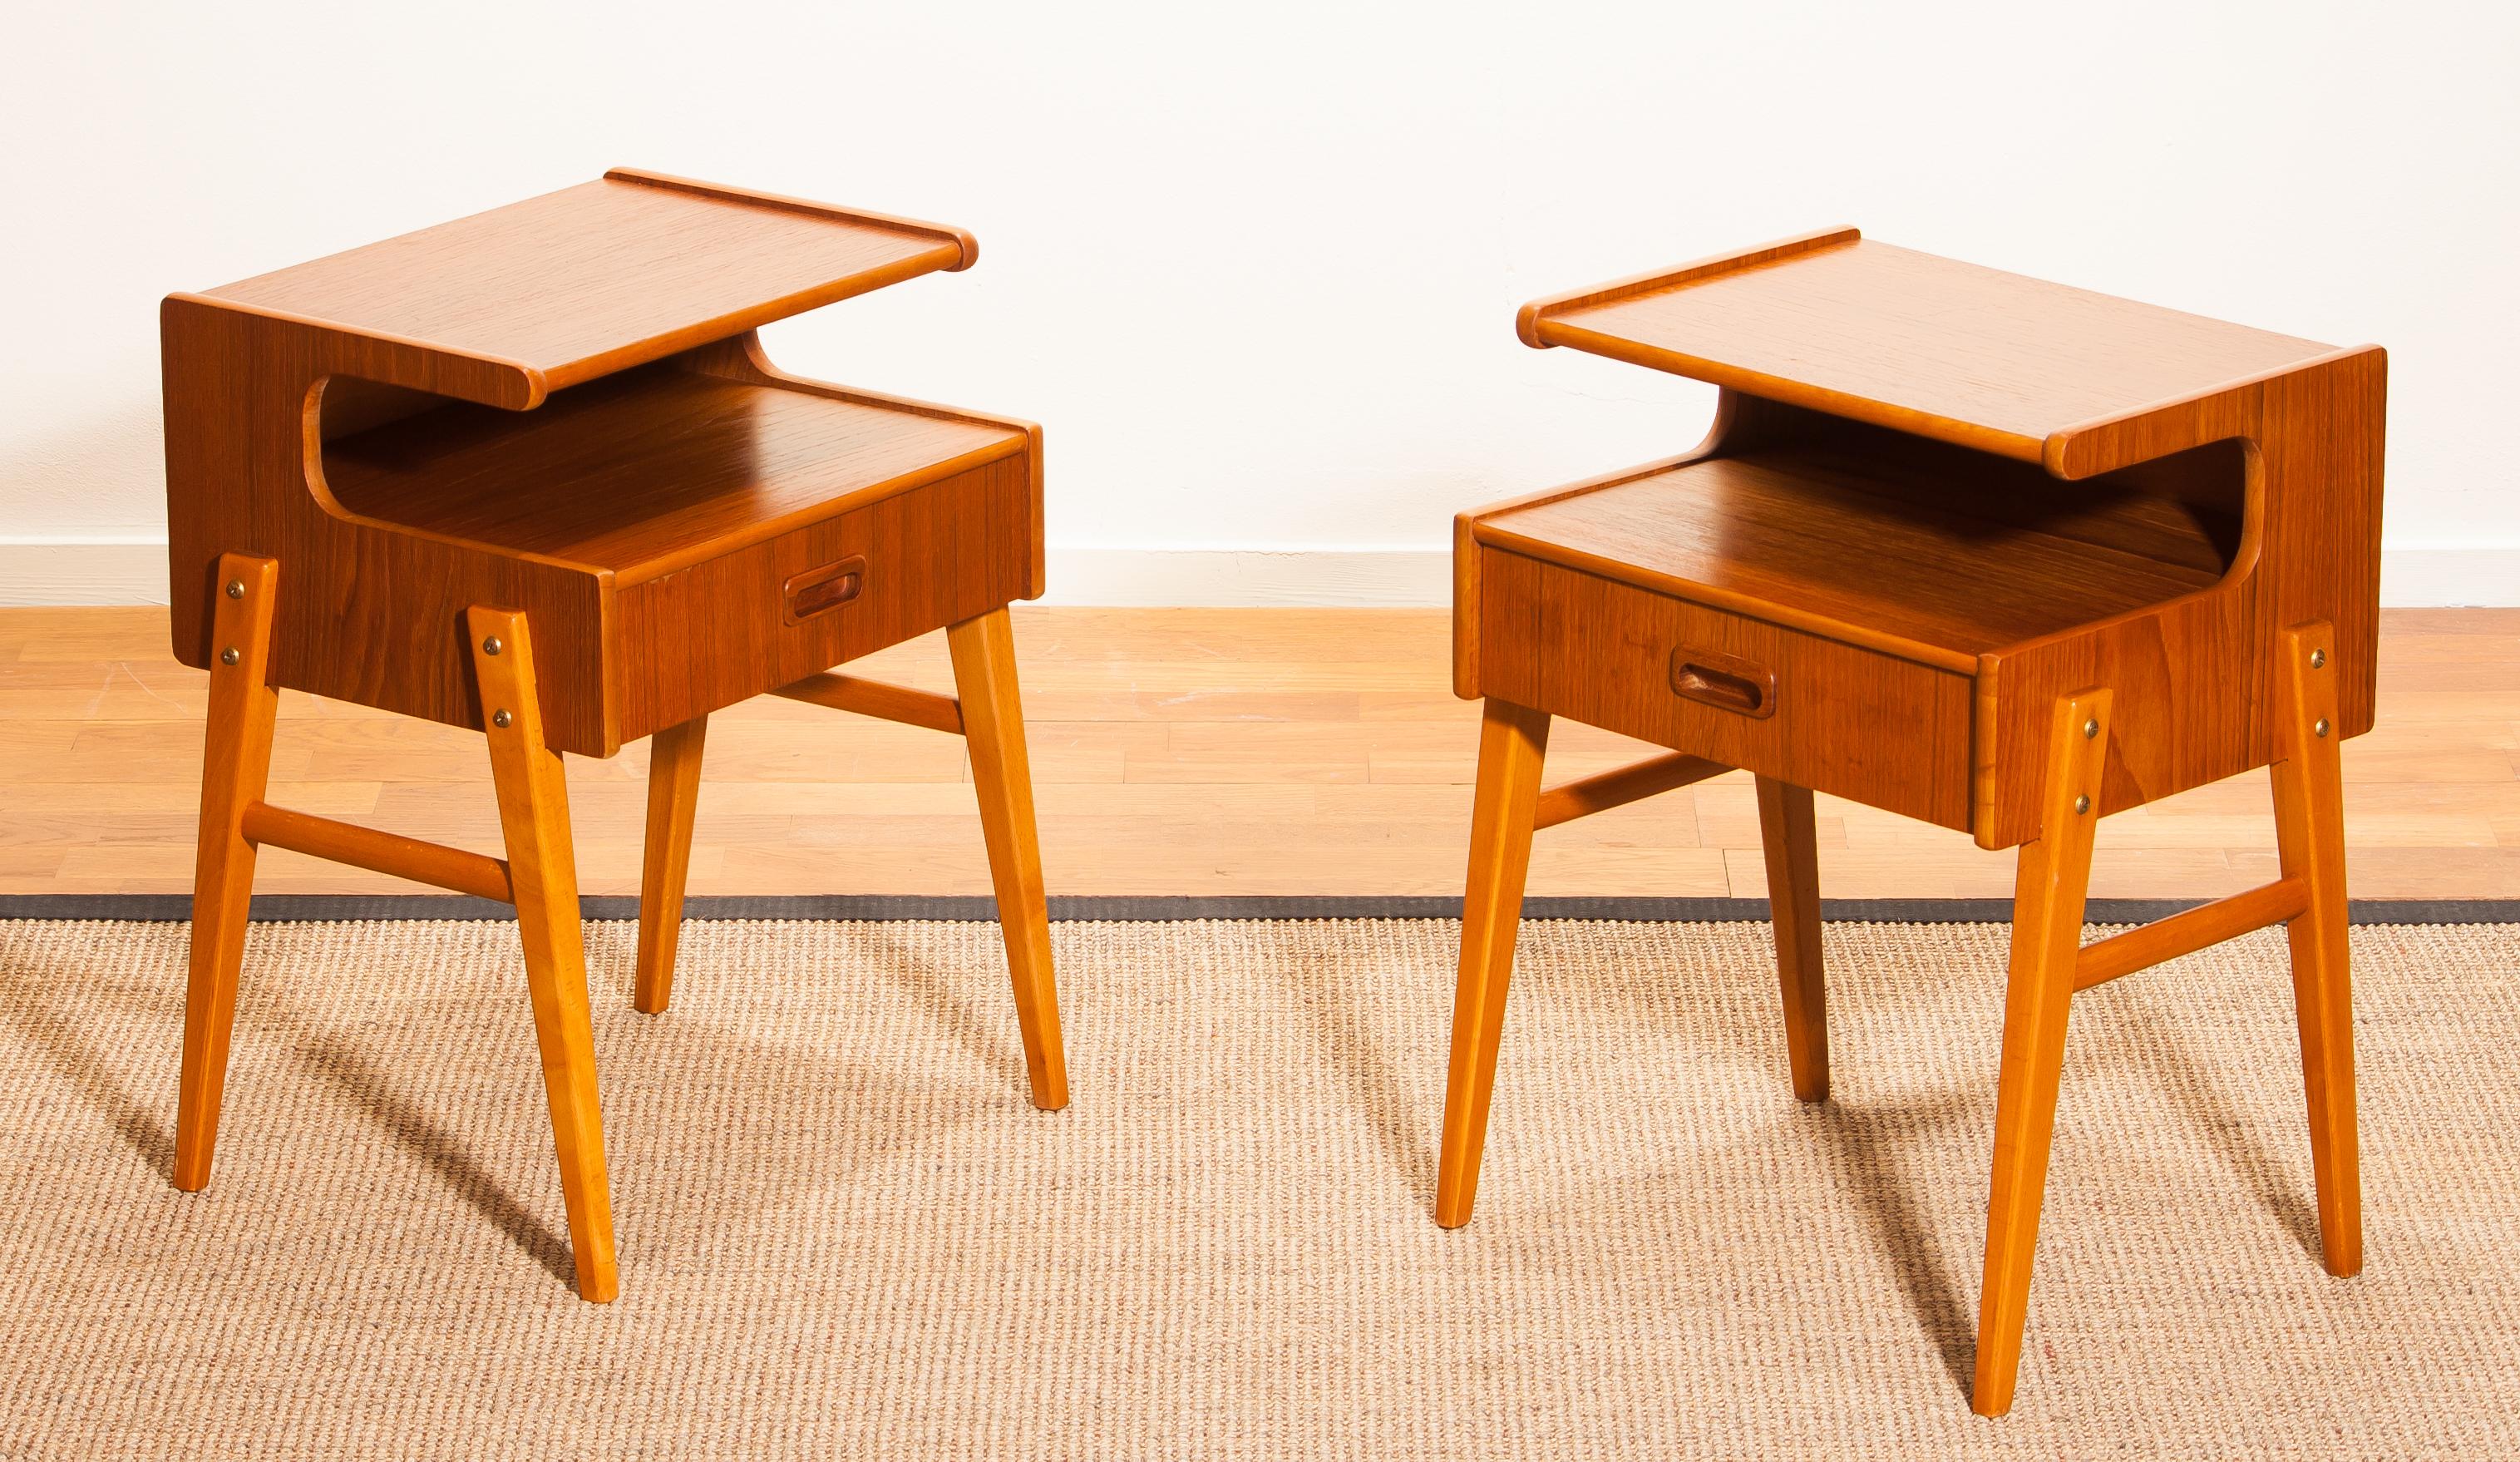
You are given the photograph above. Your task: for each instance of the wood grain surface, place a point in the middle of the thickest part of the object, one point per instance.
(2039, 994)
(1855, 721)
(649, 525)
(644, 473)
(1877, 333)
(2210, 484)
(1829, 548)
(236, 765)
(589, 280)
(532, 793)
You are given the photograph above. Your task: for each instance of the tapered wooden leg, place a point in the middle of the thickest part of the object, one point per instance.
(542, 862)
(236, 766)
(2047, 930)
(2310, 841)
(1513, 741)
(983, 650)
(1793, 912)
(673, 796)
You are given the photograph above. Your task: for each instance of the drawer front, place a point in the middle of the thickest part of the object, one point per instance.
(1812, 711)
(731, 628)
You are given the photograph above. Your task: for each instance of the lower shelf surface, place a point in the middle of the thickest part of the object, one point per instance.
(648, 471)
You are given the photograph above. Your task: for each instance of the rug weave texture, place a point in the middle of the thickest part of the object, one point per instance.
(845, 1233)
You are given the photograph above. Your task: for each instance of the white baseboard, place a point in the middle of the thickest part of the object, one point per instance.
(85, 571)
(1251, 578)
(134, 571)
(2434, 578)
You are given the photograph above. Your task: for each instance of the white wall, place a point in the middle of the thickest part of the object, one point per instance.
(1256, 268)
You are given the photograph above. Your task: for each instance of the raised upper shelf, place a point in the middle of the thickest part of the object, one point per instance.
(593, 279)
(1921, 344)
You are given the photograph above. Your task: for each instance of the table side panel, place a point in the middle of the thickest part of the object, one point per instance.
(375, 616)
(362, 615)
(2194, 679)
(2324, 435)
(1888, 732)
(2183, 679)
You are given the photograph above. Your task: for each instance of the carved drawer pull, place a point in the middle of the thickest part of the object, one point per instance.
(1724, 682)
(818, 591)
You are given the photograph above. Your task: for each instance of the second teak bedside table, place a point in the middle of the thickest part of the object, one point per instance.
(1993, 553)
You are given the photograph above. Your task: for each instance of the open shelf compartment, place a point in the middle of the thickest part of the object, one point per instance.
(646, 472)
(1929, 552)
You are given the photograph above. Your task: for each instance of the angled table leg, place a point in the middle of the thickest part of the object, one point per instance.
(983, 650)
(1793, 913)
(2310, 842)
(533, 814)
(2046, 931)
(235, 767)
(1514, 742)
(673, 798)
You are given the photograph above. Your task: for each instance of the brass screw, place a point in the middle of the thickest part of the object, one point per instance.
(500, 719)
(2091, 728)
(491, 646)
(2318, 727)
(2317, 660)
(229, 656)
(2081, 804)
(236, 588)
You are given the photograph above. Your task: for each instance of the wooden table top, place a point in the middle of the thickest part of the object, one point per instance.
(586, 281)
(1876, 332)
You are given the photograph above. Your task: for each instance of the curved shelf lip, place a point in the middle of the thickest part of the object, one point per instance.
(1793, 392)
(709, 332)
(532, 384)
(960, 239)
(1528, 320)
(2122, 438)
(519, 386)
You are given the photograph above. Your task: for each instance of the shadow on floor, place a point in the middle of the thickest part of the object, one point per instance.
(86, 1067)
(1863, 1145)
(2195, 1087)
(931, 991)
(368, 1091)
(1328, 994)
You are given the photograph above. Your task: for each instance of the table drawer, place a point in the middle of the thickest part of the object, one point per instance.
(1730, 687)
(770, 613)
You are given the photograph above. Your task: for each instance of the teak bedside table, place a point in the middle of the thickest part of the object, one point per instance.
(1993, 553)
(530, 473)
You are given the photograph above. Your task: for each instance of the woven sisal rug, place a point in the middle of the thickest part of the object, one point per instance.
(844, 1233)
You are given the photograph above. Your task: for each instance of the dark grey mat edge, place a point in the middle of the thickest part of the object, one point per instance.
(292, 908)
